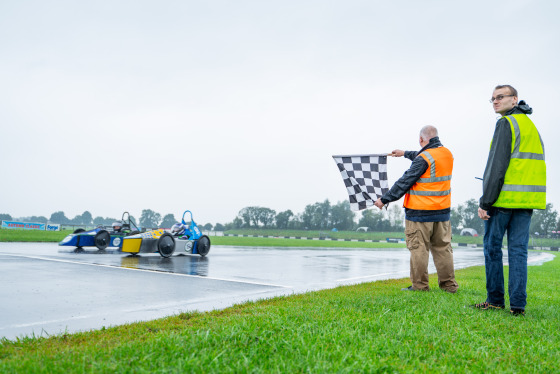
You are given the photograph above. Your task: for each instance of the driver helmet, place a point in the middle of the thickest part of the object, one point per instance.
(178, 229)
(117, 225)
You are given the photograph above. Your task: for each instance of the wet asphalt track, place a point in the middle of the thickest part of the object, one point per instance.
(46, 289)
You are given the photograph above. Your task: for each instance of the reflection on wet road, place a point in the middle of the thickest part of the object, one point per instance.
(53, 289)
(182, 264)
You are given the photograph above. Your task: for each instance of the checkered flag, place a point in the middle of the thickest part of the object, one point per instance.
(365, 178)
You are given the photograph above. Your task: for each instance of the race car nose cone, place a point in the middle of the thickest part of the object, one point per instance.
(66, 240)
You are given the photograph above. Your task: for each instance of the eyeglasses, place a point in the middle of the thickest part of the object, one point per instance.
(499, 98)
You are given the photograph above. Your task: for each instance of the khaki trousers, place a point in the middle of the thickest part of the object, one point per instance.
(423, 238)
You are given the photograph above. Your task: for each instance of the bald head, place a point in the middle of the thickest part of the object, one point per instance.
(428, 132)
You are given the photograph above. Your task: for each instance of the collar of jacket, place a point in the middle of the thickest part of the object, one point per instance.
(433, 143)
(522, 107)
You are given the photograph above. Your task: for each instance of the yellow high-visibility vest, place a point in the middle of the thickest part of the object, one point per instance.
(525, 179)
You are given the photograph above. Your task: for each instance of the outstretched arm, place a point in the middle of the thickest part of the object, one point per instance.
(401, 186)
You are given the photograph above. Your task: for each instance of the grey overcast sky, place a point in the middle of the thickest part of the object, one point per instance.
(212, 106)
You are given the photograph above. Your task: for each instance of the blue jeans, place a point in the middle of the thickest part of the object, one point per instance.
(516, 222)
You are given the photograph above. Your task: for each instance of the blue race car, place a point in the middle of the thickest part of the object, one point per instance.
(102, 237)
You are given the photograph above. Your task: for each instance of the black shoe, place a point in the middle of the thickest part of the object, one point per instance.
(487, 306)
(517, 312)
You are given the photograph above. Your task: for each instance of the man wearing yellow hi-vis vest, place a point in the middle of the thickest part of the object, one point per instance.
(514, 184)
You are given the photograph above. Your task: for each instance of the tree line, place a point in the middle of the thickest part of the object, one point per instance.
(317, 216)
(326, 216)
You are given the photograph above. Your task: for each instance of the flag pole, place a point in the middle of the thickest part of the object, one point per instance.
(369, 155)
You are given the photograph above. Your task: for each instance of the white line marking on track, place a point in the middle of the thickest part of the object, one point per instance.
(144, 270)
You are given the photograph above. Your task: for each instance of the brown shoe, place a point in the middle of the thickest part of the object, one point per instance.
(410, 288)
(450, 290)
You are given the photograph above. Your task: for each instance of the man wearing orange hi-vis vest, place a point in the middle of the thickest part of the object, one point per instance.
(514, 184)
(426, 187)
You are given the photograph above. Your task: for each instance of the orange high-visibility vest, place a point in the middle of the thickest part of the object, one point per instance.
(432, 191)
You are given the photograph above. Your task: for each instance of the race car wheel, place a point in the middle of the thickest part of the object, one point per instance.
(77, 231)
(166, 245)
(102, 240)
(203, 245)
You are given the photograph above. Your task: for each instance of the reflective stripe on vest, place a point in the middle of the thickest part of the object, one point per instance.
(429, 193)
(432, 177)
(525, 180)
(432, 191)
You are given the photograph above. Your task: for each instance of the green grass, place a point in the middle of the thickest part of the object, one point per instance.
(533, 241)
(52, 236)
(320, 234)
(8, 235)
(273, 242)
(371, 327)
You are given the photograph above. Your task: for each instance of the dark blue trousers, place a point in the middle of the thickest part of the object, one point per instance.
(514, 222)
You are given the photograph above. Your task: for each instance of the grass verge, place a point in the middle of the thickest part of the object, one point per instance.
(371, 235)
(371, 327)
(273, 242)
(7, 235)
(56, 236)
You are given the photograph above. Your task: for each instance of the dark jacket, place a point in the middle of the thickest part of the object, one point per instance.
(498, 158)
(401, 187)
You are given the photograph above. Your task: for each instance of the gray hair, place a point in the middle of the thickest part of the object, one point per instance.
(428, 132)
